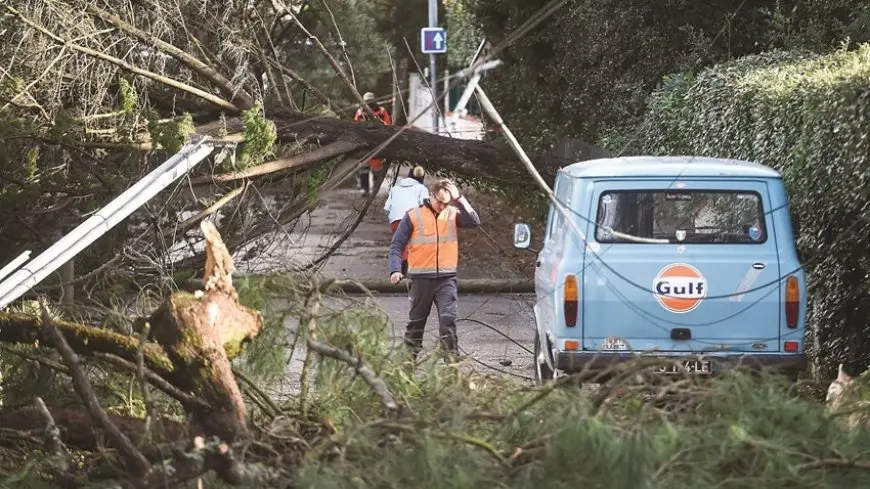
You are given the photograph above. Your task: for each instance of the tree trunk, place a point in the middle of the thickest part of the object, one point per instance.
(80, 431)
(466, 286)
(193, 338)
(468, 158)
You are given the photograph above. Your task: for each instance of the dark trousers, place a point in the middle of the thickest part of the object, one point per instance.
(443, 292)
(364, 178)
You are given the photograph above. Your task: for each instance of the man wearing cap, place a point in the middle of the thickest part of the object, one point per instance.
(375, 164)
(409, 193)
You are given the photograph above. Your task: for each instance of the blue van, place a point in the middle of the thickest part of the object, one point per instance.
(691, 260)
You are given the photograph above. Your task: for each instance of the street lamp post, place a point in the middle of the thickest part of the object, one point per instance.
(433, 73)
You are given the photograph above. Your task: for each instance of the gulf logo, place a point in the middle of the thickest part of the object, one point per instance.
(679, 288)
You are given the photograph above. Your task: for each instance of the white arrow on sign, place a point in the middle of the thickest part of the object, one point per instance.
(437, 39)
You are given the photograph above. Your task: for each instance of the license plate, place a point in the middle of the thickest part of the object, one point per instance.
(701, 367)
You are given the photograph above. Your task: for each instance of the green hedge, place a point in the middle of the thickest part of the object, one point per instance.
(808, 116)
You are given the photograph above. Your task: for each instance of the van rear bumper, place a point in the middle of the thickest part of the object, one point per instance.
(573, 362)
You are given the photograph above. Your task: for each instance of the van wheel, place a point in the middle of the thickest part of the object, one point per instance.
(543, 373)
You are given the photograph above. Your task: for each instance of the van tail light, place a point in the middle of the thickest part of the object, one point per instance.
(792, 301)
(569, 289)
(791, 346)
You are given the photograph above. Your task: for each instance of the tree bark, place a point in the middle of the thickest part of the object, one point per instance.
(80, 432)
(83, 339)
(198, 332)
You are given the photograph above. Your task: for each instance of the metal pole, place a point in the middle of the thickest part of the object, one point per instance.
(433, 73)
(14, 264)
(104, 220)
(446, 92)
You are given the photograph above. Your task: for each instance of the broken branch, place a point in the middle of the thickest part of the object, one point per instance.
(299, 161)
(378, 386)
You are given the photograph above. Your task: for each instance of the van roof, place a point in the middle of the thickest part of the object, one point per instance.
(669, 166)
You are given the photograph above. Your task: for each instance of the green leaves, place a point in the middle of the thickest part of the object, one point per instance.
(171, 134)
(260, 136)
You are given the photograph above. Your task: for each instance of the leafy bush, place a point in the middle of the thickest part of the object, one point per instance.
(736, 432)
(587, 70)
(807, 116)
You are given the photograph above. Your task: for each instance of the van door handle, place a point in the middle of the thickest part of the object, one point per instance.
(538, 263)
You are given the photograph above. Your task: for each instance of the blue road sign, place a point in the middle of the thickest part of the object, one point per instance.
(433, 40)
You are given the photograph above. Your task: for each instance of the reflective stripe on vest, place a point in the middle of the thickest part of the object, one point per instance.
(434, 244)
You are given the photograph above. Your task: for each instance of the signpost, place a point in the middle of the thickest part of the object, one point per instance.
(433, 40)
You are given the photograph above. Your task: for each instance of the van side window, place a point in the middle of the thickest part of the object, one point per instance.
(684, 216)
(563, 194)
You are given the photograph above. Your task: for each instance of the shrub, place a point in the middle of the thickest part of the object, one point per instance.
(808, 116)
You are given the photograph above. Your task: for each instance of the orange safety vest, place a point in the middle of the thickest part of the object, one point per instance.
(375, 164)
(434, 244)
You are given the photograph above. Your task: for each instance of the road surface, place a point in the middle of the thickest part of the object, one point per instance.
(364, 255)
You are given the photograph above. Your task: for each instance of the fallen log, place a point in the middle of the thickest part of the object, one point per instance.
(364, 286)
(79, 431)
(464, 157)
(466, 286)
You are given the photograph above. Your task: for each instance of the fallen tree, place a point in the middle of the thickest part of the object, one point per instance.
(187, 342)
(337, 137)
(366, 286)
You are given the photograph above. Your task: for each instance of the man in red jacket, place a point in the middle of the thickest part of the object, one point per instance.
(376, 165)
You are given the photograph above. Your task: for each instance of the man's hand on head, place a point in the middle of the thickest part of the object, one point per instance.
(454, 191)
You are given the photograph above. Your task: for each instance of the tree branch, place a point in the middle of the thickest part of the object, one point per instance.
(299, 161)
(199, 216)
(332, 61)
(186, 400)
(238, 96)
(83, 339)
(379, 387)
(205, 457)
(214, 99)
(133, 458)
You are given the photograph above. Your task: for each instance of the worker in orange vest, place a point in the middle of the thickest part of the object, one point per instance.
(375, 164)
(429, 232)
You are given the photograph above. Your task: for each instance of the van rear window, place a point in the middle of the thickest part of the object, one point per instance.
(681, 216)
